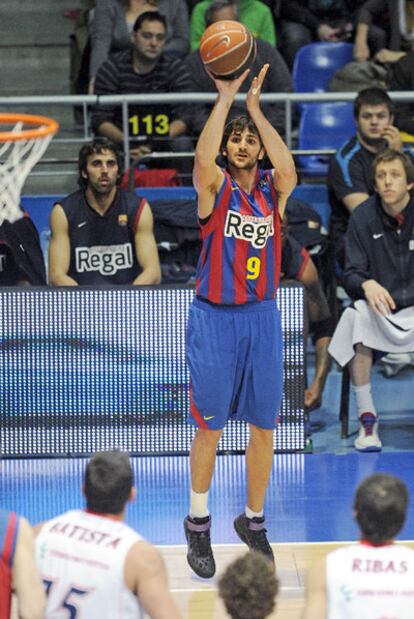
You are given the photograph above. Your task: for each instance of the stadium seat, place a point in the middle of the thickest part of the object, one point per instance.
(323, 126)
(315, 63)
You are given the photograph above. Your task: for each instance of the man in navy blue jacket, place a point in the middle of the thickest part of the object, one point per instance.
(379, 276)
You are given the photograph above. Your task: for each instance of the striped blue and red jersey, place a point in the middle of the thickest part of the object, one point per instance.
(8, 537)
(241, 253)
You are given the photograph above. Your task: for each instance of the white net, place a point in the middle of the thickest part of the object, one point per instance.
(17, 158)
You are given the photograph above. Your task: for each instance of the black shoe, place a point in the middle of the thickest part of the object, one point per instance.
(253, 533)
(199, 556)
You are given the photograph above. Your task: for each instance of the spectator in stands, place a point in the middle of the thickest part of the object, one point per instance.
(144, 69)
(402, 78)
(101, 234)
(373, 578)
(249, 587)
(117, 573)
(21, 258)
(113, 22)
(252, 13)
(306, 21)
(379, 276)
(278, 78)
(350, 180)
(297, 264)
(18, 570)
(397, 32)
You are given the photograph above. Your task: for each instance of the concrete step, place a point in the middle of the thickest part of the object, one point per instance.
(34, 56)
(60, 183)
(32, 23)
(40, 71)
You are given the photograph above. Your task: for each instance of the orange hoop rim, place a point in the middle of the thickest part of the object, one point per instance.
(49, 126)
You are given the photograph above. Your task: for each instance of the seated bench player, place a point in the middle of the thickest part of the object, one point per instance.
(101, 234)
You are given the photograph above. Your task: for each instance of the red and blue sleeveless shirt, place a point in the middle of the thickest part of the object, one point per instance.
(8, 538)
(241, 253)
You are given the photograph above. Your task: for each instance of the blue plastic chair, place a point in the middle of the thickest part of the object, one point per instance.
(315, 63)
(323, 126)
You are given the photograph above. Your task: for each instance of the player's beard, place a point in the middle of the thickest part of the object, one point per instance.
(103, 190)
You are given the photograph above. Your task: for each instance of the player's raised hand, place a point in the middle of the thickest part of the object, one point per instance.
(229, 88)
(253, 96)
(392, 136)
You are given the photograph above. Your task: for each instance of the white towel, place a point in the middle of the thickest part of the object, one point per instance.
(359, 324)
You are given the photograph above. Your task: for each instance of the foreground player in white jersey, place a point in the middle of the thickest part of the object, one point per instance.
(373, 579)
(93, 565)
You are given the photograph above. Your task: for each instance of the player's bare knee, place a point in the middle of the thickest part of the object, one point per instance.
(207, 436)
(263, 436)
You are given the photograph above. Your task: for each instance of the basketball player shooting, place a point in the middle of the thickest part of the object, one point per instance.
(234, 347)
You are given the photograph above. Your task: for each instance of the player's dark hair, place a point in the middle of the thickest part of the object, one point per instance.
(380, 505)
(391, 155)
(372, 96)
(217, 5)
(150, 16)
(237, 126)
(108, 482)
(249, 587)
(98, 146)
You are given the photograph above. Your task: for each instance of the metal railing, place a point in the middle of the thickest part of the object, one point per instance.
(124, 101)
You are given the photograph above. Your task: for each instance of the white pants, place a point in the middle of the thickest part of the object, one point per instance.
(359, 324)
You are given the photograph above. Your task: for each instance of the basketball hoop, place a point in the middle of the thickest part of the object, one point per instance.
(21, 147)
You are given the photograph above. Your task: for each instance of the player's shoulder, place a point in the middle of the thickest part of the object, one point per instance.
(128, 194)
(141, 557)
(130, 200)
(70, 202)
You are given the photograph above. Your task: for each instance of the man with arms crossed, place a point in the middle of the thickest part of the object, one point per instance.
(93, 563)
(372, 579)
(101, 234)
(234, 347)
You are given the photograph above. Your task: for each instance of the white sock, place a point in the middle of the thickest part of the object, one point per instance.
(198, 504)
(364, 401)
(251, 514)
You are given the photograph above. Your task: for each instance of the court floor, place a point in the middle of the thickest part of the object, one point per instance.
(308, 511)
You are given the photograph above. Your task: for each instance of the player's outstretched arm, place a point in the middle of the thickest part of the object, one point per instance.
(146, 576)
(26, 580)
(207, 176)
(284, 173)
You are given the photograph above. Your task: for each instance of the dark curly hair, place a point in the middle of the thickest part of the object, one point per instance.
(237, 126)
(249, 587)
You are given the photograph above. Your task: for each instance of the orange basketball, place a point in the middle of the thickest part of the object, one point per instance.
(227, 48)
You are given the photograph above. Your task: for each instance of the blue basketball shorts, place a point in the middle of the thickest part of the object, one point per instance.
(234, 354)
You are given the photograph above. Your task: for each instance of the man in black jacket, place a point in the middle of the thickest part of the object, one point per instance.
(379, 276)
